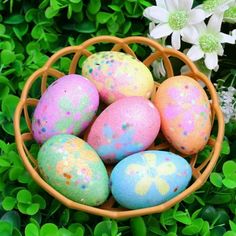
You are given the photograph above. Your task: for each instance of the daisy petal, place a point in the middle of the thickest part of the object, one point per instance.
(161, 3)
(157, 13)
(162, 186)
(196, 16)
(211, 60)
(195, 53)
(185, 5)
(175, 40)
(190, 34)
(160, 31)
(134, 168)
(225, 38)
(143, 185)
(220, 50)
(171, 5)
(215, 22)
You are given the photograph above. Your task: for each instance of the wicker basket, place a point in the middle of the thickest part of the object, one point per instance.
(200, 171)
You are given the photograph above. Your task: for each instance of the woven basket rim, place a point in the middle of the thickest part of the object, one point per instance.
(106, 210)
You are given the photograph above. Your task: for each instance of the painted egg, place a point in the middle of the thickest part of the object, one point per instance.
(149, 178)
(67, 106)
(126, 126)
(185, 113)
(73, 168)
(117, 75)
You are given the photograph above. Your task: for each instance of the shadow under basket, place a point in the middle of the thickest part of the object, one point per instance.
(75, 54)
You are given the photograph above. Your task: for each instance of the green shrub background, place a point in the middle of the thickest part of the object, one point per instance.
(30, 32)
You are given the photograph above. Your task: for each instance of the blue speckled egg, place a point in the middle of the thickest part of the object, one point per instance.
(74, 169)
(149, 178)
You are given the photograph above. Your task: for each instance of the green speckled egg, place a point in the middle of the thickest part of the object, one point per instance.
(74, 169)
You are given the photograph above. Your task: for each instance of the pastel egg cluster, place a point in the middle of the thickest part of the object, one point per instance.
(79, 136)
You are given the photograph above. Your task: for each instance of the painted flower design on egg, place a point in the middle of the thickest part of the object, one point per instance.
(117, 146)
(65, 104)
(152, 173)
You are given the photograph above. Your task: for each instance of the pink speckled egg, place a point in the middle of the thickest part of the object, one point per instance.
(127, 126)
(66, 107)
(118, 75)
(185, 113)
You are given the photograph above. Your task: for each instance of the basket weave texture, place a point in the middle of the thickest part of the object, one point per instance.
(200, 171)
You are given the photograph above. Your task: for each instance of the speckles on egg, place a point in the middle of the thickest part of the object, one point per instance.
(74, 169)
(185, 113)
(67, 106)
(117, 75)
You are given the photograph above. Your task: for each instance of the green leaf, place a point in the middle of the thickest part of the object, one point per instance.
(6, 228)
(32, 209)
(8, 203)
(103, 17)
(20, 30)
(38, 199)
(138, 227)
(205, 231)
(115, 8)
(232, 225)
(216, 179)
(230, 233)
(86, 27)
(4, 163)
(65, 217)
(7, 57)
(65, 232)
(49, 229)
(51, 12)
(9, 104)
(183, 217)
(77, 229)
(14, 19)
(231, 184)
(2, 29)
(167, 218)
(105, 227)
(194, 228)
(94, 6)
(24, 196)
(12, 217)
(229, 168)
(225, 149)
(31, 230)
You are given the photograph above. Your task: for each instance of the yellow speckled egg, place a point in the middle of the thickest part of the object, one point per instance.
(117, 75)
(185, 113)
(74, 169)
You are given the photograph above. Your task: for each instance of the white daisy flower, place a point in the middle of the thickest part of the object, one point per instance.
(174, 17)
(215, 8)
(207, 44)
(233, 33)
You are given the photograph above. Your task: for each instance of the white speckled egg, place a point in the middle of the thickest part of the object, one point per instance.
(117, 75)
(73, 168)
(126, 126)
(185, 113)
(149, 178)
(67, 106)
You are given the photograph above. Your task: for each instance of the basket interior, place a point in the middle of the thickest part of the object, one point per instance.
(69, 61)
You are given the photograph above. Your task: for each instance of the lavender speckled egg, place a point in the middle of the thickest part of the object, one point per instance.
(73, 168)
(117, 75)
(185, 113)
(149, 178)
(126, 126)
(67, 106)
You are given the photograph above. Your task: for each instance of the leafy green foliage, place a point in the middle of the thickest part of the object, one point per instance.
(30, 32)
